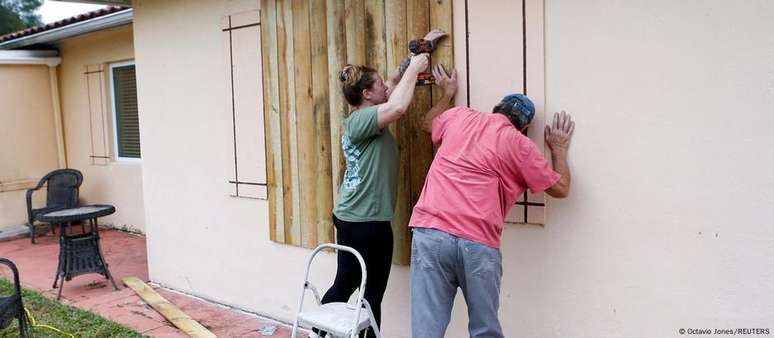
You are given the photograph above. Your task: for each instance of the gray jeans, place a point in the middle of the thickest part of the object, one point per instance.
(440, 263)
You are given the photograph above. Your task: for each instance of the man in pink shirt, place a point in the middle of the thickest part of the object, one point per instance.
(483, 163)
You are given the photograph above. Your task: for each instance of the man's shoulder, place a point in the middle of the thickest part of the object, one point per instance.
(459, 110)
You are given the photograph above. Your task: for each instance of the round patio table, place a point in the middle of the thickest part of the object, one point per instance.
(79, 253)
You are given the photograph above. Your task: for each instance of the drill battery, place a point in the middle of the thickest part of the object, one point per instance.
(425, 78)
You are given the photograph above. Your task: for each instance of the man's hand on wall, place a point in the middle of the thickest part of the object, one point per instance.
(559, 134)
(446, 82)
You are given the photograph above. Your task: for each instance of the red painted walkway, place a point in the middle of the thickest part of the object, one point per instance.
(126, 255)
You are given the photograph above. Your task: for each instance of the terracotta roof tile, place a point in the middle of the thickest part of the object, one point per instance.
(61, 23)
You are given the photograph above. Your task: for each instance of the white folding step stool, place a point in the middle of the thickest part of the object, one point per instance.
(337, 319)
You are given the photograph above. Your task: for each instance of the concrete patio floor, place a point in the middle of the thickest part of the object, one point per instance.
(126, 256)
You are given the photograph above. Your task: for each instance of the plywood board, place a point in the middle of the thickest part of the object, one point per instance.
(397, 41)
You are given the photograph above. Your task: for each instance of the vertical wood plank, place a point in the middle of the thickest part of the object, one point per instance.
(441, 18)
(376, 46)
(288, 109)
(321, 110)
(397, 50)
(305, 126)
(337, 55)
(271, 111)
(417, 25)
(356, 37)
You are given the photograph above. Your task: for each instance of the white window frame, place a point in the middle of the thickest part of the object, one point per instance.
(115, 116)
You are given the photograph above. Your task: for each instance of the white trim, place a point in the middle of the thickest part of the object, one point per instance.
(91, 25)
(115, 117)
(26, 57)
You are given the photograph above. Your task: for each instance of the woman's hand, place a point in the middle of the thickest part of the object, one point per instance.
(447, 83)
(419, 62)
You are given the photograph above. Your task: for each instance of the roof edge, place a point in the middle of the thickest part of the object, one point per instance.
(30, 57)
(79, 28)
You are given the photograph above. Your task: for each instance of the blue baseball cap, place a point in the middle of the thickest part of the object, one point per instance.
(518, 108)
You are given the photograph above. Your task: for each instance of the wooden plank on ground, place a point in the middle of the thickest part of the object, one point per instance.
(271, 112)
(305, 126)
(321, 111)
(395, 27)
(177, 317)
(337, 55)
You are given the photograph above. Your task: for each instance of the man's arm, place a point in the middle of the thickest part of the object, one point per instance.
(449, 86)
(558, 138)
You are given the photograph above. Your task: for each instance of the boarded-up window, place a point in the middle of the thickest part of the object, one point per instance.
(305, 44)
(98, 128)
(242, 41)
(503, 54)
(126, 124)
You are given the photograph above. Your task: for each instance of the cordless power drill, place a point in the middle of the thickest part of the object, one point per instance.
(419, 46)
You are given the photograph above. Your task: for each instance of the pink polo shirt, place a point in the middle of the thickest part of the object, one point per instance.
(482, 166)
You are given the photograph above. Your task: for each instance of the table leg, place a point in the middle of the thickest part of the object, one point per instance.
(62, 270)
(61, 286)
(32, 231)
(56, 277)
(108, 275)
(61, 257)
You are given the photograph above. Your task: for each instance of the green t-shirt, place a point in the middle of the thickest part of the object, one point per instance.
(367, 192)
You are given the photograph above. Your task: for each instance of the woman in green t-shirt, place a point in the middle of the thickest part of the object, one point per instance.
(366, 200)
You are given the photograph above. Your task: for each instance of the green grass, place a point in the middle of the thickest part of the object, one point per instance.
(77, 322)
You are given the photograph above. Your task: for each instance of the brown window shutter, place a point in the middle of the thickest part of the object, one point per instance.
(127, 122)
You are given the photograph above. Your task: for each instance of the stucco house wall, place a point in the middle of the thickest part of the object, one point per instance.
(117, 182)
(28, 146)
(668, 223)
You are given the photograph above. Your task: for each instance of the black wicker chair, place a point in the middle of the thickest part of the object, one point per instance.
(62, 193)
(11, 307)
